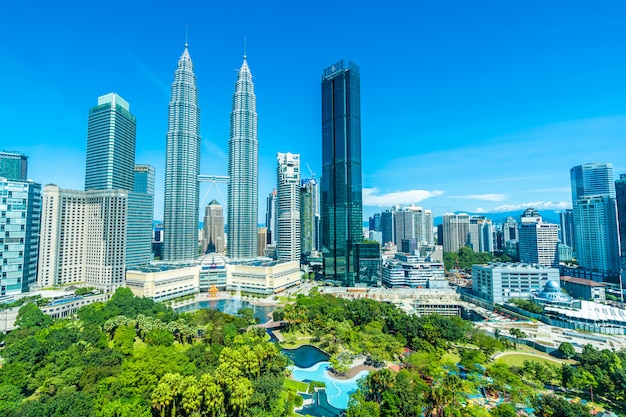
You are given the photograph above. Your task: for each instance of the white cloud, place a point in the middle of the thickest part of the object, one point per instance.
(487, 197)
(398, 197)
(539, 205)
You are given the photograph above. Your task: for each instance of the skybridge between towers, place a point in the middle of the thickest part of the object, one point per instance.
(213, 180)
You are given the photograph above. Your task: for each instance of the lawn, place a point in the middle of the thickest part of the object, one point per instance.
(517, 359)
(296, 386)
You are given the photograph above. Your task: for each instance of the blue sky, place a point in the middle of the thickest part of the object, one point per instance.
(472, 106)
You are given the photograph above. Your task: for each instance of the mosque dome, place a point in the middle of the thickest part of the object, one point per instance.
(552, 293)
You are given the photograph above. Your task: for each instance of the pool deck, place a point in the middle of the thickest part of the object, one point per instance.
(354, 371)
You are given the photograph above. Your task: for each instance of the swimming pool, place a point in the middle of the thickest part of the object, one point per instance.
(337, 391)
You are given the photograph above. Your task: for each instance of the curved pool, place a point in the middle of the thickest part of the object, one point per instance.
(337, 390)
(306, 356)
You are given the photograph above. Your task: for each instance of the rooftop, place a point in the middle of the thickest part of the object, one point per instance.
(582, 281)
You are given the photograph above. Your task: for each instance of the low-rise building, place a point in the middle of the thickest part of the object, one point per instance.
(411, 271)
(263, 276)
(162, 282)
(585, 289)
(498, 282)
(213, 272)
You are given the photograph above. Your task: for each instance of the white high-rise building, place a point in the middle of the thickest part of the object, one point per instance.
(83, 237)
(182, 166)
(538, 241)
(243, 171)
(288, 207)
(455, 231)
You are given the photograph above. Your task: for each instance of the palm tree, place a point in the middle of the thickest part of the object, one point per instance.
(161, 398)
(192, 398)
(241, 394)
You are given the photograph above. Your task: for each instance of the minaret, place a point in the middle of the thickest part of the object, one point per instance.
(243, 170)
(182, 166)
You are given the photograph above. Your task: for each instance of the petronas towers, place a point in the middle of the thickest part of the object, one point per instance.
(182, 168)
(243, 170)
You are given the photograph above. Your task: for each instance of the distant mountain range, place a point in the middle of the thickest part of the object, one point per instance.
(549, 216)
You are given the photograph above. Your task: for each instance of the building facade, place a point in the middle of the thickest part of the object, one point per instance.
(341, 182)
(13, 166)
(620, 198)
(270, 217)
(288, 207)
(411, 271)
(566, 230)
(309, 216)
(243, 170)
(110, 158)
(182, 166)
(585, 289)
(20, 217)
(455, 231)
(263, 277)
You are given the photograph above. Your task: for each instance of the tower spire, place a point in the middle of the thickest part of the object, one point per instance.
(186, 36)
(244, 47)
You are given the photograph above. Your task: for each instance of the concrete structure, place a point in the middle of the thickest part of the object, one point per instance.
(585, 289)
(341, 181)
(140, 214)
(288, 239)
(538, 241)
(411, 271)
(13, 166)
(164, 282)
(182, 165)
(263, 276)
(20, 217)
(243, 170)
(455, 231)
(496, 283)
(262, 239)
(213, 239)
(110, 158)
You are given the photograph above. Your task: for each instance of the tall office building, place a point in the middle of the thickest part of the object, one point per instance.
(270, 217)
(597, 240)
(566, 230)
(424, 225)
(592, 179)
(620, 197)
(243, 170)
(595, 220)
(213, 240)
(140, 216)
(404, 226)
(110, 145)
(309, 215)
(288, 207)
(538, 241)
(20, 216)
(182, 166)
(341, 182)
(456, 228)
(13, 166)
(481, 234)
(386, 226)
(509, 229)
(62, 253)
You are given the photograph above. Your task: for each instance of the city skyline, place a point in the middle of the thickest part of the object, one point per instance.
(502, 102)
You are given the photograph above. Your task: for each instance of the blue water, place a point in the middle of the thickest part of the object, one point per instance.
(231, 306)
(305, 356)
(337, 391)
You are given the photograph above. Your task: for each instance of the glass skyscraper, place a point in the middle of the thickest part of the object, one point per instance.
(595, 220)
(140, 215)
(110, 145)
(13, 166)
(182, 166)
(341, 182)
(243, 170)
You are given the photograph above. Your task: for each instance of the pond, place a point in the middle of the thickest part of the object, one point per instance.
(230, 306)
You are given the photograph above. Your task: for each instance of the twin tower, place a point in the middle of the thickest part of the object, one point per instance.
(182, 168)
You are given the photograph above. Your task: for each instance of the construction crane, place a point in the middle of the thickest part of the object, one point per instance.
(310, 170)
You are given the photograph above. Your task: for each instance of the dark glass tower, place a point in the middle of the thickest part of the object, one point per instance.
(341, 184)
